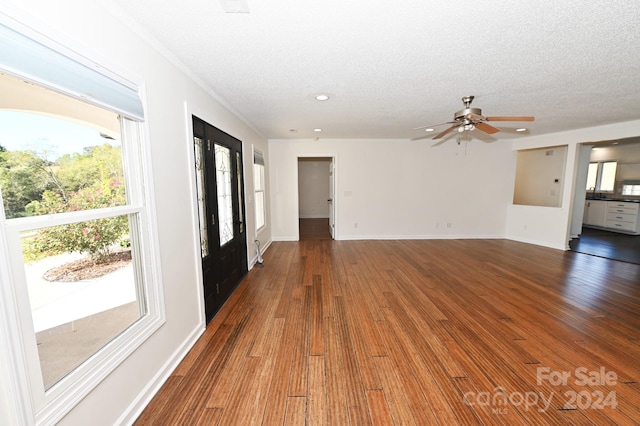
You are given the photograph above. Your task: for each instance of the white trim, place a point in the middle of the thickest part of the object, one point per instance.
(141, 401)
(538, 243)
(189, 111)
(336, 200)
(45, 221)
(285, 239)
(134, 26)
(263, 190)
(112, 355)
(50, 406)
(14, 366)
(407, 237)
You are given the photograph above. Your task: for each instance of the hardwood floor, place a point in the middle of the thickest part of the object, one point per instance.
(416, 332)
(314, 229)
(612, 245)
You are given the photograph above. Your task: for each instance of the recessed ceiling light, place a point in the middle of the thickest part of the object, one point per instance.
(234, 6)
(429, 129)
(322, 97)
(521, 129)
(317, 130)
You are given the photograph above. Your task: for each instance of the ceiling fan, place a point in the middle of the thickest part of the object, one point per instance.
(472, 118)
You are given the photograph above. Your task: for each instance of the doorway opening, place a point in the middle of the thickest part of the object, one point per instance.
(606, 220)
(316, 206)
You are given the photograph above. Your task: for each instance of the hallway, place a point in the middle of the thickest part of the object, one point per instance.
(315, 229)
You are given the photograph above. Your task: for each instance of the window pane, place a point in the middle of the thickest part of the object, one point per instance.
(259, 209)
(240, 194)
(608, 180)
(630, 189)
(258, 177)
(592, 175)
(225, 198)
(82, 290)
(202, 202)
(258, 183)
(50, 165)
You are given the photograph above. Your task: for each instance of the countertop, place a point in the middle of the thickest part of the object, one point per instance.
(614, 199)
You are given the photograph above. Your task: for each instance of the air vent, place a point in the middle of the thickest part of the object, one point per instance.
(234, 6)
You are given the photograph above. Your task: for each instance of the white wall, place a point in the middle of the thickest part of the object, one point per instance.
(580, 189)
(97, 33)
(539, 176)
(551, 226)
(400, 189)
(313, 184)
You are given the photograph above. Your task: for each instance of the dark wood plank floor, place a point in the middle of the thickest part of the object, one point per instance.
(612, 245)
(314, 229)
(416, 332)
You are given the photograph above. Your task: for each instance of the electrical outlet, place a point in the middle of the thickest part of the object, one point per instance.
(355, 225)
(449, 225)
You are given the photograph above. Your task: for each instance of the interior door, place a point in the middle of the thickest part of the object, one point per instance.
(221, 213)
(332, 213)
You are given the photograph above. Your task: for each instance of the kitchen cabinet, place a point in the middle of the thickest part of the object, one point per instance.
(595, 213)
(619, 216)
(623, 216)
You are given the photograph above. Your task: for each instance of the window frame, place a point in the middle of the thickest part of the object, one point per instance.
(631, 189)
(599, 173)
(259, 187)
(32, 401)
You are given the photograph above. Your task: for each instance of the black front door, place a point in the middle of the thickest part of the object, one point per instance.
(221, 213)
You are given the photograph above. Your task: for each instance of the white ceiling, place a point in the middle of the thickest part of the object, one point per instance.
(390, 66)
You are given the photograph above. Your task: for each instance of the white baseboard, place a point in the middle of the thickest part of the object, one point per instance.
(146, 395)
(538, 243)
(419, 237)
(284, 238)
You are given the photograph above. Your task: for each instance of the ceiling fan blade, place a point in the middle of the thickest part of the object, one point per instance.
(523, 118)
(441, 134)
(486, 128)
(421, 137)
(433, 125)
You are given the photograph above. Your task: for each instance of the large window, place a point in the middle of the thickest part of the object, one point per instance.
(601, 177)
(80, 279)
(259, 185)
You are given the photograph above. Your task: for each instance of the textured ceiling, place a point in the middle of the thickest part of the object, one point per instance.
(390, 66)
